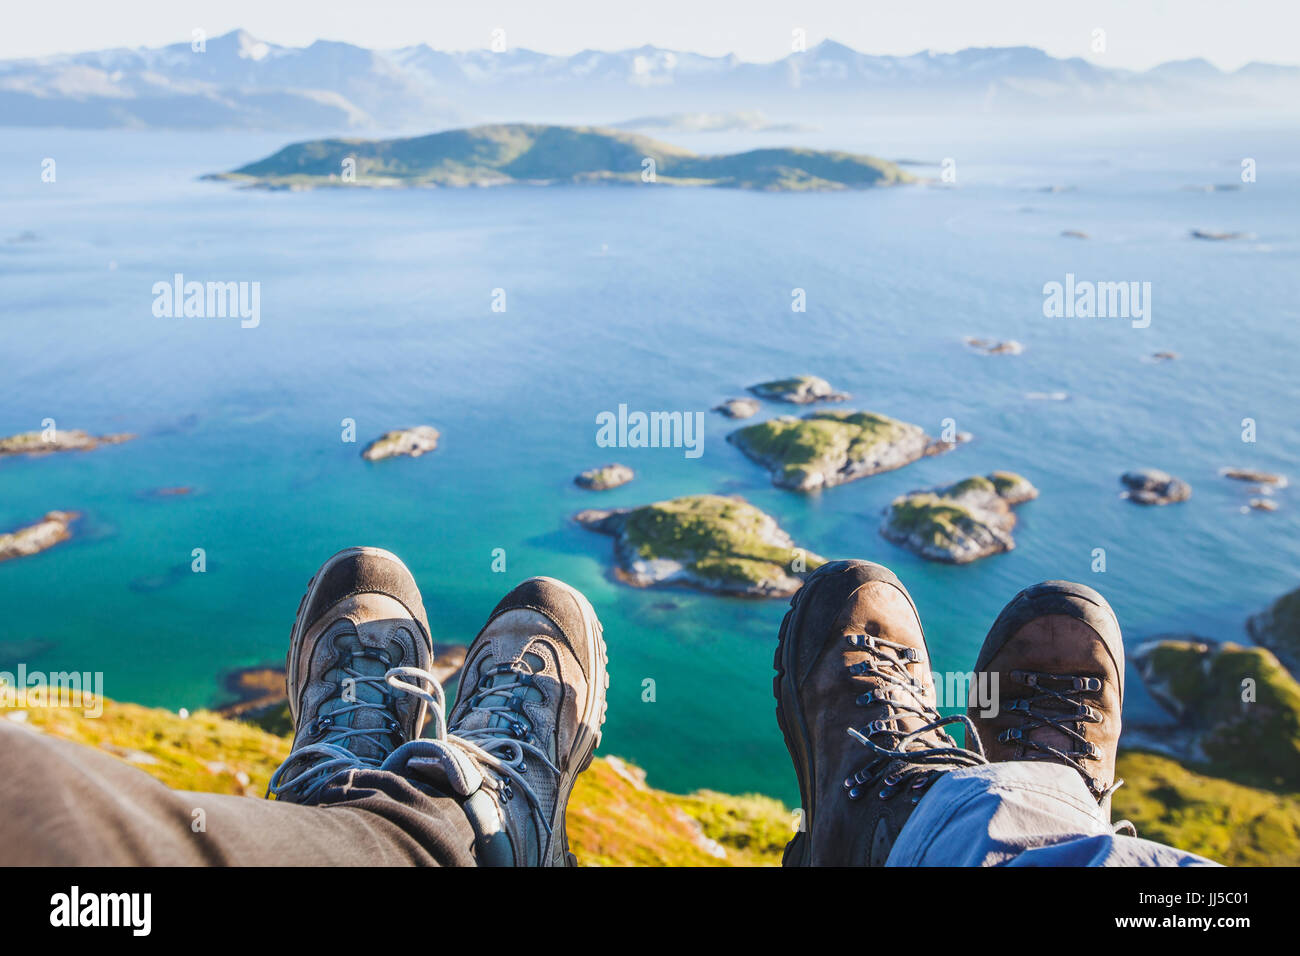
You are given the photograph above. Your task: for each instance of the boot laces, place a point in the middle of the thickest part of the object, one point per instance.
(1059, 703)
(899, 755)
(309, 768)
(502, 748)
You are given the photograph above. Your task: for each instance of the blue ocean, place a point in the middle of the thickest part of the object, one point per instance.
(376, 306)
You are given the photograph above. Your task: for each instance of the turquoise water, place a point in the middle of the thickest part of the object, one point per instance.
(376, 307)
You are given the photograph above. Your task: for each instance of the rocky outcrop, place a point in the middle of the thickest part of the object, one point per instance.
(959, 523)
(709, 542)
(994, 346)
(823, 449)
(738, 408)
(1278, 628)
(1236, 709)
(38, 537)
(1149, 486)
(412, 442)
(1264, 478)
(1220, 235)
(46, 443)
(605, 477)
(800, 390)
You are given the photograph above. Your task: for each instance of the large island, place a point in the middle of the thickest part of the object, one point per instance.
(536, 154)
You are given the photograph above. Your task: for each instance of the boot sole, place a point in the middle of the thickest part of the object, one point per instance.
(789, 714)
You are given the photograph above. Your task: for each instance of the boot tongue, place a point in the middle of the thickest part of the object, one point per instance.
(356, 660)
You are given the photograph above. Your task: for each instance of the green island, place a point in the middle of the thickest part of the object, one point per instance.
(538, 154)
(959, 523)
(1224, 778)
(709, 542)
(828, 448)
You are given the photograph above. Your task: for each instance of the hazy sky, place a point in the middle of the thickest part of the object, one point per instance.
(1139, 33)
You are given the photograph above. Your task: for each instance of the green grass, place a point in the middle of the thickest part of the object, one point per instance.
(1226, 821)
(716, 537)
(614, 819)
(817, 441)
(1004, 481)
(974, 483)
(935, 520)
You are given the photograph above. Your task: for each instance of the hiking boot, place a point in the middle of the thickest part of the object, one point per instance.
(528, 713)
(1057, 657)
(856, 703)
(360, 635)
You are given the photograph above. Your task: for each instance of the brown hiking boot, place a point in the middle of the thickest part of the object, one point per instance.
(1057, 657)
(528, 713)
(856, 703)
(359, 637)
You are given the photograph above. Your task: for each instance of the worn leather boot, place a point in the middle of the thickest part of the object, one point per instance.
(856, 703)
(1057, 657)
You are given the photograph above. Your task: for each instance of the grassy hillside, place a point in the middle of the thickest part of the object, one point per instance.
(1225, 821)
(615, 819)
(533, 153)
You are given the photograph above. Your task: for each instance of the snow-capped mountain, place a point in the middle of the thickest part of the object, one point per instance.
(240, 81)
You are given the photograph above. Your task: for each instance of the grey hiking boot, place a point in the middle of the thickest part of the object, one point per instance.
(856, 703)
(356, 671)
(528, 713)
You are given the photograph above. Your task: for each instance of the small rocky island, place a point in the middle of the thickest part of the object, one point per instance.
(823, 449)
(56, 526)
(738, 408)
(994, 346)
(36, 443)
(1262, 478)
(709, 542)
(959, 523)
(800, 390)
(412, 442)
(1220, 235)
(1150, 486)
(605, 477)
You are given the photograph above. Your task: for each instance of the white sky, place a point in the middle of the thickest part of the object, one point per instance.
(1139, 33)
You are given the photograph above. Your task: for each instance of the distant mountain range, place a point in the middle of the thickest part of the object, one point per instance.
(529, 153)
(239, 81)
